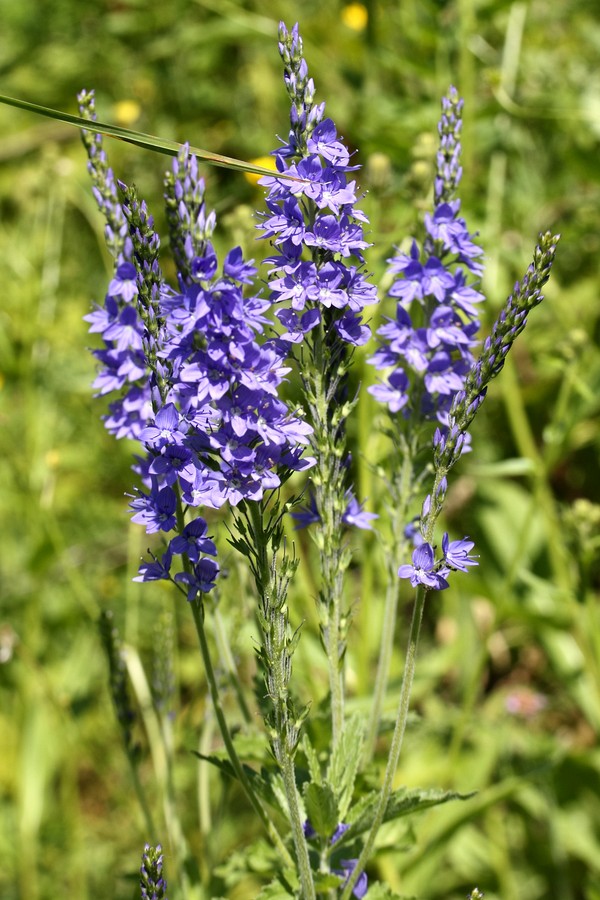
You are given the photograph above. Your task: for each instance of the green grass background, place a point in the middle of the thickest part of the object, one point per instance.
(526, 624)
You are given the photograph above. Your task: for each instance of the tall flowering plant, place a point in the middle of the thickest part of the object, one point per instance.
(320, 289)
(195, 372)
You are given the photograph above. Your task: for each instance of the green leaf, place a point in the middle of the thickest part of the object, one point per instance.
(259, 858)
(222, 764)
(326, 882)
(381, 891)
(343, 765)
(138, 138)
(275, 891)
(312, 760)
(321, 808)
(267, 784)
(401, 803)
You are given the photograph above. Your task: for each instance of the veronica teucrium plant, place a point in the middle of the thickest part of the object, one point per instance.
(194, 371)
(318, 284)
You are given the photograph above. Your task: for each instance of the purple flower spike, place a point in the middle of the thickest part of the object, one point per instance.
(197, 381)
(153, 885)
(428, 345)
(423, 570)
(315, 213)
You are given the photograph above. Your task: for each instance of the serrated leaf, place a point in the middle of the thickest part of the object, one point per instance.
(321, 808)
(326, 882)
(273, 786)
(268, 785)
(343, 765)
(401, 803)
(312, 760)
(275, 891)
(261, 859)
(381, 891)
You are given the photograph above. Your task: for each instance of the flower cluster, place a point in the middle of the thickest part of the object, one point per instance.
(317, 277)
(104, 186)
(118, 321)
(449, 443)
(427, 346)
(347, 866)
(312, 219)
(354, 515)
(152, 884)
(431, 573)
(199, 389)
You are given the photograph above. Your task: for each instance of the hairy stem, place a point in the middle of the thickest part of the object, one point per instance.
(397, 740)
(323, 387)
(197, 612)
(276, 657)
(402, 489)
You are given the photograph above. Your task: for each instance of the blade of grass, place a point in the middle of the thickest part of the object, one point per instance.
(139, 138)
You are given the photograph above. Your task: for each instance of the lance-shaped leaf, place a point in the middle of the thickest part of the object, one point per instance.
(139, 138)
(402, 802)
(343, 765)
(321, 808)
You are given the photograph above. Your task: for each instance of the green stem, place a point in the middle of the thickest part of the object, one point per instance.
(141, 796)
(229, 664)
(273, 620)
(392, 594)
(545, 503)
(402, 491)
(329, 484)
(196, 606)
(397, 740)
(289, 780)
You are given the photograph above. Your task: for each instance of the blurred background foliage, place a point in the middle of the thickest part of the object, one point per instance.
(508, 685)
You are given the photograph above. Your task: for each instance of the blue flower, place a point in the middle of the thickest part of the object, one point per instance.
(354, 514)
(347, 866)
(456, 553)
(428, 345)
(312, 217)
(124, 284)
(424, 569)
(201, 579)
(197, 382)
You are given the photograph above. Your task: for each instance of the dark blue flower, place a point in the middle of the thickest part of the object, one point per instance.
(355, 514)
(124, 284)
(424, 569)
(201, 579)
(347, 868)
(157, 570)
(156, 510)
